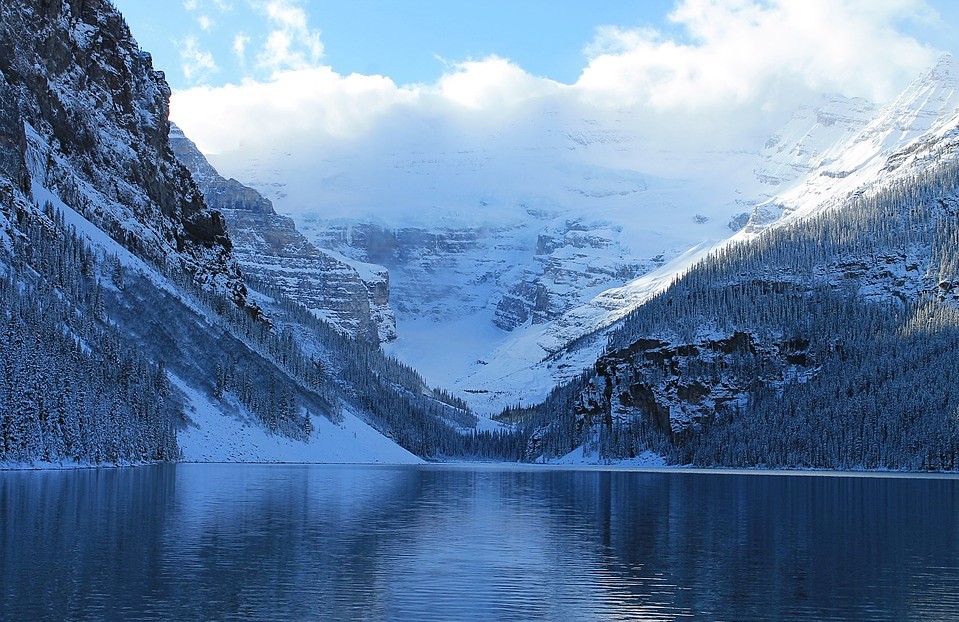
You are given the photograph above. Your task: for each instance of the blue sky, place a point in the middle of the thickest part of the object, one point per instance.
(407, 40)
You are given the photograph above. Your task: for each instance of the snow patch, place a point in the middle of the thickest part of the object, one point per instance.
(214, 436)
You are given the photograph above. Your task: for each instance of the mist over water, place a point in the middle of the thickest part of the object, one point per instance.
(230, 542)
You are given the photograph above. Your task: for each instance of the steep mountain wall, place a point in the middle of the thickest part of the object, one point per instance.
(269, 248)
(85, 116)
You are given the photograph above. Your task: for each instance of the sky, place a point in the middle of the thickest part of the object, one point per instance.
(256, 74)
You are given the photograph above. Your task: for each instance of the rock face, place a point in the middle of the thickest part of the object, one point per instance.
(439, 274)
(572, 259)
(353, 296)
(85, 115)
(683, 385)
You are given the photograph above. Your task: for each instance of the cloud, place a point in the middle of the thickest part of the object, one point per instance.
(313, 102)
(205, 22)
(493, 81)
(745, 52)
(240, 43)
(729, 77)
(197, 64)
(290, 44)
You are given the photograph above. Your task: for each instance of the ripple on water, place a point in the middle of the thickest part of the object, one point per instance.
(277, 543)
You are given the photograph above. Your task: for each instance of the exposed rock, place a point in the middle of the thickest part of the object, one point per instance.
(353, 297)
(672, 387)
(85, 115)
(571, 260)
(440, 273)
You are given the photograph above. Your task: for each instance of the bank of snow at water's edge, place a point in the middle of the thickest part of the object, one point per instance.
(214, 436)
(579, 457)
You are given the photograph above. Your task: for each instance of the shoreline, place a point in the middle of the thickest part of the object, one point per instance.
(516, 466)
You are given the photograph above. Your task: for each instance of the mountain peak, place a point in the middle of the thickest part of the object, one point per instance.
(946, 68)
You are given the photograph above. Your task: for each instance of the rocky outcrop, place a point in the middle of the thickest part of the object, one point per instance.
(440, 274)
(673, 387)
(84, 115)
(354, 297)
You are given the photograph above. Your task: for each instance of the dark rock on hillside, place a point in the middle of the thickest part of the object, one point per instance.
(85, 116)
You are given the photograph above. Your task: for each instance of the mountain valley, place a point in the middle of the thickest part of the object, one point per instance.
(562, 284)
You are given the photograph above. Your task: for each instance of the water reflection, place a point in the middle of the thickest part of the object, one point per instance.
(223, 542)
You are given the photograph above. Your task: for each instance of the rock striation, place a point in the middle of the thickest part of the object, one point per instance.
(352, 295)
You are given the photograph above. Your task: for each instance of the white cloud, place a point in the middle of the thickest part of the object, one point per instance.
(314, 102)
(291, 43)
(737, 69)
(240, 42)
(747, 52)
(205, 22)
(197, 64)
(491, 82)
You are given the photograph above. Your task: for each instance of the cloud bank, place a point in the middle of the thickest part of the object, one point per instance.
(730, 71)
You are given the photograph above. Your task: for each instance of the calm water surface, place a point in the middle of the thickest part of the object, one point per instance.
(211, 542)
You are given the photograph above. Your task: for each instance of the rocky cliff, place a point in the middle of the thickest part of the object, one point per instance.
(352, 295)
(85, 115)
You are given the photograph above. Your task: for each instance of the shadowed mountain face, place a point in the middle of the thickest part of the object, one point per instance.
(351, 295)
(85, 115)
(127, 322)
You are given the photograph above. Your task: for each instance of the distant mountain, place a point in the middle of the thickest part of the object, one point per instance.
(866, 149)
(496, 241)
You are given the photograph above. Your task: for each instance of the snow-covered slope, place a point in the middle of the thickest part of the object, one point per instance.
(895, 142)
(511, 251)
(211, 437)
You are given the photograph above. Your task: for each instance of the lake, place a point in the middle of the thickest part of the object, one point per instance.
(306, 542)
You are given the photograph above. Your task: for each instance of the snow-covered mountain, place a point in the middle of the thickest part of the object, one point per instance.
(497, 240)
(351, 295)
(514, 258)
(510, 252)
(129, 332)
(873, 147)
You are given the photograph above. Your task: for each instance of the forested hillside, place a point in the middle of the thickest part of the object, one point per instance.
(126, 317)
(832, 342)
(61, 399)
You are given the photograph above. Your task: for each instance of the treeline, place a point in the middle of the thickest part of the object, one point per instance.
(870, 285)
(71, 388)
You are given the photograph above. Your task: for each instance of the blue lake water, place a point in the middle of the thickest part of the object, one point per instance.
(249, 542)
